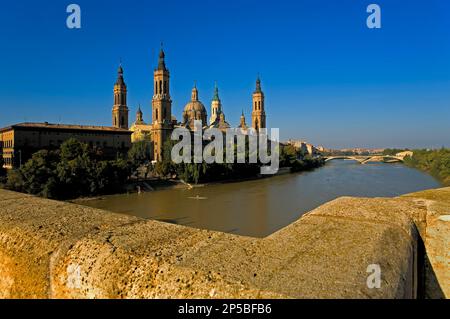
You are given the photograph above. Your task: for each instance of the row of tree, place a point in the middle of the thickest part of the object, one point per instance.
(435, 162)
(298, 160)
(69, 172)
(203, 172)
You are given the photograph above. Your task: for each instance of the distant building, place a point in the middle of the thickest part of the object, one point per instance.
(19, 141)
(405, 154)
(194, 111)
(360, 151)
(216, 106)
(217, 119)
(304, 147)
(120, 109)
(141, 130)
(258, 113)
(321, 149)
(242, 125)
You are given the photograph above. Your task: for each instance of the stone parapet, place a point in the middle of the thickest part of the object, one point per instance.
(51, 249)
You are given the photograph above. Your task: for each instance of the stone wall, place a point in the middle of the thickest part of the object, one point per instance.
(51, 249)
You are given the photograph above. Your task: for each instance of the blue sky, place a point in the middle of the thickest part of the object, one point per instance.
(327, 77)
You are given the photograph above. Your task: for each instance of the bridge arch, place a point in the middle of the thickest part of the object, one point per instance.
(368, 158)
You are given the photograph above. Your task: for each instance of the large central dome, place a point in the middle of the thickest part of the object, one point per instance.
(194, 110)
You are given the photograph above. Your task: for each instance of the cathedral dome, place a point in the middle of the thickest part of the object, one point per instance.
(195, 106)
(194, 110)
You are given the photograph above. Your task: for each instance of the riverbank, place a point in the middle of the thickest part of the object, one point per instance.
(173, 184)
(434, 162)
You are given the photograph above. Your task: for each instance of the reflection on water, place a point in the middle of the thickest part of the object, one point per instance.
(260, 207)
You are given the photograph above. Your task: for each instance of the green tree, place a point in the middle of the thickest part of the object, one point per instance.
(288, 155)
(14, 181)
(110, 176)
(38, 174)
(435, 162)
(76, 170)
(140, 153)
(166, 167)
(70, 172)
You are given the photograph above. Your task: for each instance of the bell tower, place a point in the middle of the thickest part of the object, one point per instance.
(258, 113)
(120, 109)
(161, 107)
(216, 106)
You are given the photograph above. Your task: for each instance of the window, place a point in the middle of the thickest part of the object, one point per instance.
(156, 87)
(122, 121)
(156, 114)
(160, 86)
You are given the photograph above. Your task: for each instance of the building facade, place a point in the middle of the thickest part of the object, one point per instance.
(141, 131)
(18, 142)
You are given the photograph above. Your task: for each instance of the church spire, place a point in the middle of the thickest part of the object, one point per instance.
(258, 85)
(161, 61)
(139, 116)
(120, 80)
(216, 93)
(216, 107)
(242, 123)
(120, 109)
(194, 95)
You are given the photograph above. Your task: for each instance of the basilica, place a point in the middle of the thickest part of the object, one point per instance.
(163, 121)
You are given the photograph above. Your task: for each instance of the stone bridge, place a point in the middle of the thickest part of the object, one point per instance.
(369, 158)
(51, 249)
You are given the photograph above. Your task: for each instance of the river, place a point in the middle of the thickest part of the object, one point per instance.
(260, 207)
